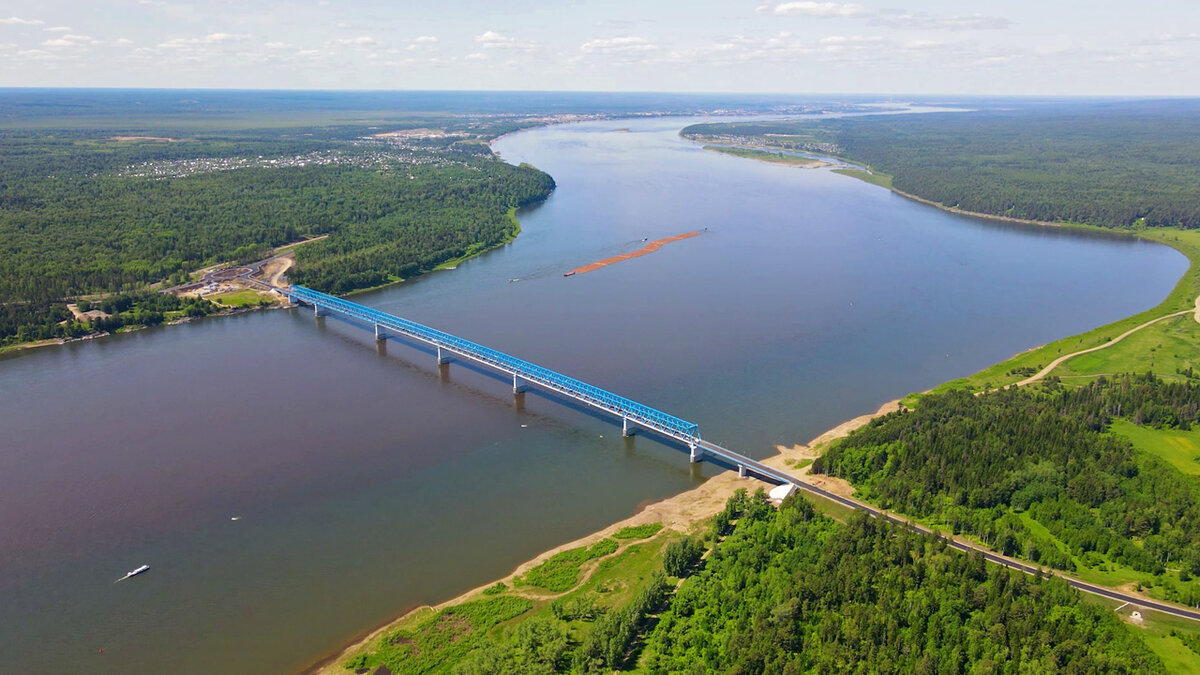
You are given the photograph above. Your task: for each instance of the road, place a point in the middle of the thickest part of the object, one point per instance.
(964, 546)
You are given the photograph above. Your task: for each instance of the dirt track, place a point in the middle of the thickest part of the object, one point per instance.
(1065, 357)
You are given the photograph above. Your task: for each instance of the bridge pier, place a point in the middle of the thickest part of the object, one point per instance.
(317, 311)
(741, 470)
(518, 386)
(696, 454)
(443, 357)
(626, 429)
(380, 335)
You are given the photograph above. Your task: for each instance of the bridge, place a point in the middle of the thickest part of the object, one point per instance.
(524, 374)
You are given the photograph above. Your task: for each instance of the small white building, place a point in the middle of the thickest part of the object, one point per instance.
(781, 492)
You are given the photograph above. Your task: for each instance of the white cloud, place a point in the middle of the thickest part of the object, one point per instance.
(213, 38)
(59, 29)
(895, 18)
(360, 42)
(820, 10)
(781, 47)
(850, 39)
(201, 43)
(276, 45)
(1169, 38)
(625, 46)
(422, 43)
(493, 40)
(123, 42)
(18, 21)
(37, 55)
(476, 56)
(70, 40)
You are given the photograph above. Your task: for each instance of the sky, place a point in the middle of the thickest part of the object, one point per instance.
(1021, 47)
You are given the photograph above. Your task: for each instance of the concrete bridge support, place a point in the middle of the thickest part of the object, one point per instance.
(741, 470)
(317, 311)
(627, 429)
(380, 335)
(443, 356)
(519, 387)
(696, 454)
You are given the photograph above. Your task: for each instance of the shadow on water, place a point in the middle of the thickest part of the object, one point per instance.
(518, 400)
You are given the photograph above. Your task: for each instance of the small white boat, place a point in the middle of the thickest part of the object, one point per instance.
(134, 573)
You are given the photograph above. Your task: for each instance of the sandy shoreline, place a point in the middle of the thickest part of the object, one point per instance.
(680, 512)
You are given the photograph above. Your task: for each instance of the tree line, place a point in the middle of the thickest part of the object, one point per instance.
(1105, 164)
(988, 465)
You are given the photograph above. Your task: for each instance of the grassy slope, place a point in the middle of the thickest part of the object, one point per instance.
(765, 156)
(880, 179)
(618, 578)
(1155, 631)
(1180, 449)
(241, 298)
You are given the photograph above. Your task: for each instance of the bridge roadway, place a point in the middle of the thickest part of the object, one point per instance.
(660, 422)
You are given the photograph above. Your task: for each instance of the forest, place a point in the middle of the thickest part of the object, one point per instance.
(84, 213)
(25, 322)
(1109, 164)
(788, 590)
(1033, 473)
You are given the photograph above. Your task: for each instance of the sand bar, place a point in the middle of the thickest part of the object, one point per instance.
(648, 248)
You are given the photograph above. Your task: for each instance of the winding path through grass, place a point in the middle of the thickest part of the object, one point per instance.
(1066, 357)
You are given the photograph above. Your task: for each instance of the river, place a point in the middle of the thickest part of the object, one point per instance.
(292, 484)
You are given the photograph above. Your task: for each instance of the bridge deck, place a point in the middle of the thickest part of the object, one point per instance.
(642, 415)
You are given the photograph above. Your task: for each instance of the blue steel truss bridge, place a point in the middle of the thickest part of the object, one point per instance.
(524, 374)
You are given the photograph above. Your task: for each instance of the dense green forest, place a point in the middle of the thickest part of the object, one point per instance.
(1032, 473)
(401, 229)
(792, 591)
(1111, 164)
(82, 212)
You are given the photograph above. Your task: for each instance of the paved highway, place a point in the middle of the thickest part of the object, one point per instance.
(782, 477)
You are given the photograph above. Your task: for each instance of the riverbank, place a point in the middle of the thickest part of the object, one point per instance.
(453, 264)
(682, 513)
(769, 157)
(55, 342)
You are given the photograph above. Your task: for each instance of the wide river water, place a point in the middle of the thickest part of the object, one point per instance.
(365, 480)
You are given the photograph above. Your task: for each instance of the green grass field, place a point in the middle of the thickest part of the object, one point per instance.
(429, 641)
(765, 156)
(638, 531)
(560, 572)
(880, 179)
(1156, 631)
(245, 298)
(1180, 449)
